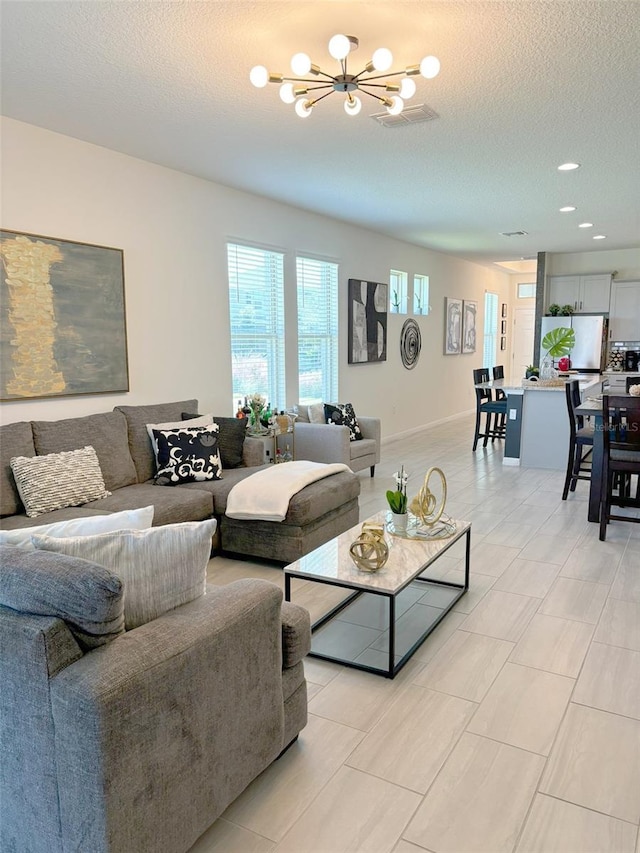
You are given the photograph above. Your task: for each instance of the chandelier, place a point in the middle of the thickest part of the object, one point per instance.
(302, 89)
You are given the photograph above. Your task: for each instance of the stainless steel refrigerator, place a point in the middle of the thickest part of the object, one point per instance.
(591, 330)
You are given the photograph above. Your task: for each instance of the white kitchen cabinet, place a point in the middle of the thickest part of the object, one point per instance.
(624, 311)
(587, 294)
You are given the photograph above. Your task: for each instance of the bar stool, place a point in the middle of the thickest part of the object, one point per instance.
(490, 408)
(580, 438)
(498, 373)
(621, 457)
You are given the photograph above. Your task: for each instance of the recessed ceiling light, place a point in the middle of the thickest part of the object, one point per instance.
(568, 209)
(586, 225)
(600, 237)
(567, 167)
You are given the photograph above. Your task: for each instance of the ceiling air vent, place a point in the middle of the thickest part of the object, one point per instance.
(410, 115)
(514, 233)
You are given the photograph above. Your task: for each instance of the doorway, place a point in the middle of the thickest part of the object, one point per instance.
(523, 334)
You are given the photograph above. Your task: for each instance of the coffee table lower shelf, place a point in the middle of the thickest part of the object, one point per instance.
(378, 631)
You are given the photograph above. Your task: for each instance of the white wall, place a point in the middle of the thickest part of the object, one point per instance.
(626, 262)
(173, 228)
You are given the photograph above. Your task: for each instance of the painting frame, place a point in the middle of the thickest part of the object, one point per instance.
(452, 325)
(367, 321)
(469, 325)
(503, 343)
(63, 330)
(504, 310)
(503, 327)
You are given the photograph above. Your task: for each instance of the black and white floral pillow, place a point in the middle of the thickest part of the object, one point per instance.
(187, 455)
(344, 415)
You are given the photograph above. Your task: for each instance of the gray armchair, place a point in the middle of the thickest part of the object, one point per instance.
(321, 442)
(139, 744)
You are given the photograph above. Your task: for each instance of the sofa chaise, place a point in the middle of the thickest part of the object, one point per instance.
(317, 513)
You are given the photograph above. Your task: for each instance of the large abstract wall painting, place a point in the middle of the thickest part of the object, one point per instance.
(452, 326)
(62, 318)
(368, 302)
(469, 314)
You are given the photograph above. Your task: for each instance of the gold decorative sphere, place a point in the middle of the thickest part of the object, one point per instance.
(370, 551)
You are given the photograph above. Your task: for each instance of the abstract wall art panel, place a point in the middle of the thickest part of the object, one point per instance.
(367, 321)
(469, 317)
(62, 318)
(452, 326)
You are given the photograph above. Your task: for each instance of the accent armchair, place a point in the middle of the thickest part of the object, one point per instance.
(322, 442)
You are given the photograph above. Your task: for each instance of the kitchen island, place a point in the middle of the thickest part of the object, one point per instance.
(538, 421)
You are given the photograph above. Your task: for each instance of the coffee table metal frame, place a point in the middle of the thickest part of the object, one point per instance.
(463, 528)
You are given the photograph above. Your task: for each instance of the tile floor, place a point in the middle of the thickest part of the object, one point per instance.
(515, 727)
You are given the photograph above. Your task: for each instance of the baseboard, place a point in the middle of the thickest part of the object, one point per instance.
(423, 427)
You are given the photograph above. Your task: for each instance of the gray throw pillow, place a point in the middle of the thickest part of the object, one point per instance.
(231, 435)
(88, 597)
(161, 567)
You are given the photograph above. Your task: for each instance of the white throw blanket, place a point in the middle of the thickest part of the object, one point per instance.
(265, 495)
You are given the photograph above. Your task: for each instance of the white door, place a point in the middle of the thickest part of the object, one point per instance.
(523, 334)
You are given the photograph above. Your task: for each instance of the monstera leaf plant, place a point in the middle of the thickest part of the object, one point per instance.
(559, 342)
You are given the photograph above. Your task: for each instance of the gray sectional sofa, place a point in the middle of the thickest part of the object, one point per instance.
(317, 513)
(136, 743)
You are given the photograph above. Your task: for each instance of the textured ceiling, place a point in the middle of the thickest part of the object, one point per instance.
(524, 86)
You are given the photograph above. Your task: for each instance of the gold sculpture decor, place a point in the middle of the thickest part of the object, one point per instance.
(425, 505)
(370, 551)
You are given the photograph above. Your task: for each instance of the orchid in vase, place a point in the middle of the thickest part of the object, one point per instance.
(397, 499)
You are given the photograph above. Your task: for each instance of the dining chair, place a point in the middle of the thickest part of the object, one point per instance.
(621, 457)
(495, 411)
(580, 442)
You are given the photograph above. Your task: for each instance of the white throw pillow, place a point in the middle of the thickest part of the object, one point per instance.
(161, 567)
(316, 413)
(203, 420)
(57, 480)
(89, 525)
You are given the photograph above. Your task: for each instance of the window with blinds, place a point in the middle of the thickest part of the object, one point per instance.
(317, 282)
(256, 311)
(490, 342)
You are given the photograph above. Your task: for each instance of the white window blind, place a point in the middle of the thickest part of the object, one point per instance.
(256, 311)
(398, 286)
(490, 341)
(317, 330)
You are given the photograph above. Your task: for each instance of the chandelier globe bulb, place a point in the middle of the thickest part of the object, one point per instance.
(352, 105)
(300, 64)
(397, 105)
(407, 88)
(303, 108)
(382, 59)
(286, 93)
(339, 46)
(259, 76)
(430, 67)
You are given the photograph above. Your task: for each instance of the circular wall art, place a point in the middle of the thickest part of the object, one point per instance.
(410, 343)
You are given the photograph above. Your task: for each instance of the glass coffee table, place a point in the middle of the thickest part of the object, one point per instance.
(389, 613)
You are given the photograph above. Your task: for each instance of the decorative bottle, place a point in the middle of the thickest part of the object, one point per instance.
(240, 414)
(287, 456)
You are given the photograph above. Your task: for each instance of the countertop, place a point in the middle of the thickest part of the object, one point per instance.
(586, 380)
